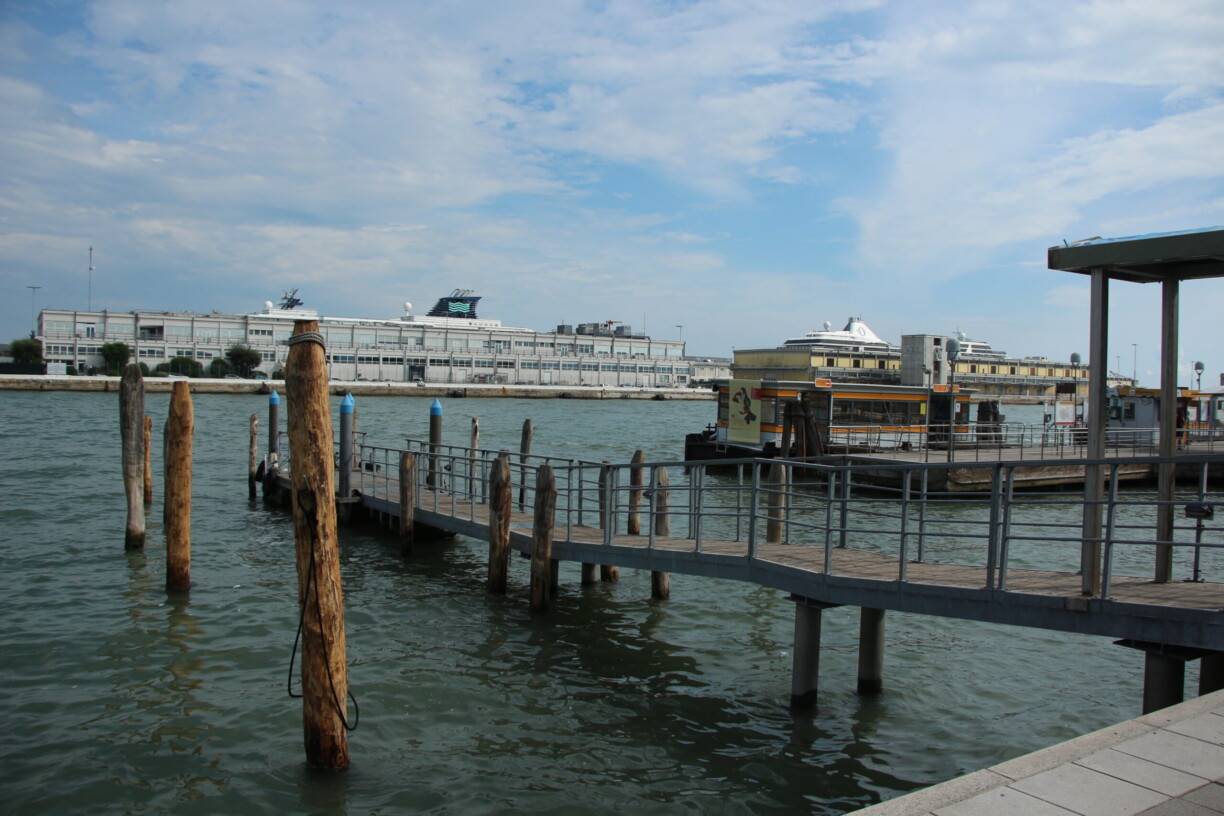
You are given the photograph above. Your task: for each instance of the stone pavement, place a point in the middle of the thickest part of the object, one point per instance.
(1168, 763)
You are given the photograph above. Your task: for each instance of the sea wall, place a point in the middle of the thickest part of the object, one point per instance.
(158, 385)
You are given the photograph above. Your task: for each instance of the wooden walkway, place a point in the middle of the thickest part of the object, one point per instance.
(1182, 614)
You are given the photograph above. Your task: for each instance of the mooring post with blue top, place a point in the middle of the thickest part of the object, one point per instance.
(273, 428)
(435, 441)
(347, 418)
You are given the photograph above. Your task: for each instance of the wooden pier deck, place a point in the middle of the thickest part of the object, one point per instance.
(1183, 613)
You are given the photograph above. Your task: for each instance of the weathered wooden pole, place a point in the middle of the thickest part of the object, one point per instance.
(407, 501)
(524, 449)
(435, 443)
(607, 516)
(475, 434)
(131, 435)
(660, 582)
(776, 503)
(542, 537)
(320, 594)
(500, 505)
(148, 460)
(180, 427)
(633, 526)
(253, 459)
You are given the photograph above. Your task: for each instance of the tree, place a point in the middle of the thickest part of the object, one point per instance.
(116, 356)
(26, 351)
(218, 368)
(243, 359)
(181, 365)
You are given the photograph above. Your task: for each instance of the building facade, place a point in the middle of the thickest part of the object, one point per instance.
(450, 344)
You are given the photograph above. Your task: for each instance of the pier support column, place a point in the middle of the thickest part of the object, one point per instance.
(1211, 673)
(805, 666)
(871, 651)
(1164, 681)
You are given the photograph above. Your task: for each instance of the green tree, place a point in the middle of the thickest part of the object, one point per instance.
(116, 356)
(26, 351)
(243, 359)
(218, 368)
(181, 365)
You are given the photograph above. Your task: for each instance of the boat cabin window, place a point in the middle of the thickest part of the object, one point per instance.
(1128, 411)
(876, 412)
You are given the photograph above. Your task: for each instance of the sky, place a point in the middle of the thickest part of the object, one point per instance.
(728, 173)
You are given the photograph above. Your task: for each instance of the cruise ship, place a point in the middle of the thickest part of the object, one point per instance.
(856, 336)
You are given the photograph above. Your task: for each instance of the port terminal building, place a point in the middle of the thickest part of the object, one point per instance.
(450, 343)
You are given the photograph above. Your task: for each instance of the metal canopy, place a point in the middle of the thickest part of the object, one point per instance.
(1169, 256)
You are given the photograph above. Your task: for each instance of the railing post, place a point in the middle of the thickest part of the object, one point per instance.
(923, 481)
(903, 555)
(1009, 492)
(844, 537)
(1111, 512)
(992, 528)
(697, 502)
(753, 504)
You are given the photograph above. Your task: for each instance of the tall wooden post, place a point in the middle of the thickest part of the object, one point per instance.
(131, 434)
(180, 427)
(475, 435)
(542, 537)
(148, 460)
(634, 524)
(320, 595)
(660, 582)
(253, 459)
(435, 443)
(607, 515)
(407, 502)
(524, 449)
(776, 503)
(500, 503)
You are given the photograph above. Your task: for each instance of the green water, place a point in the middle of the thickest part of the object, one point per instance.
(118, 700)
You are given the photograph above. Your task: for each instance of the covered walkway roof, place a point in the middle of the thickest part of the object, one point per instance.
(1155, 258)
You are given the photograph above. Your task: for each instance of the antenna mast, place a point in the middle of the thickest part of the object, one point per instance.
(89, 303)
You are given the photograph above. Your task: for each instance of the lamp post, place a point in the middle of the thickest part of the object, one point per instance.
(953, 349)
(1135, 363)
(680, 326)
(89, 302)
(34, 309)
(1198, 373)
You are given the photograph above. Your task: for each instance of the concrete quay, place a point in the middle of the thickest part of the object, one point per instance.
(1167, 763)
(358, 388)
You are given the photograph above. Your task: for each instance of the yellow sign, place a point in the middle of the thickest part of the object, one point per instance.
(744, 412)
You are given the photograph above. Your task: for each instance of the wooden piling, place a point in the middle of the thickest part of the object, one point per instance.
(475, 434)
(500, 503)
(131, 433)
(148, 460)
(524, 449)
(776, 504)
(607, 572)
(253, 458)
(542, 537)
(660, 582)
(407, 501)
(320, 594)
(180, 427)
(634, 524)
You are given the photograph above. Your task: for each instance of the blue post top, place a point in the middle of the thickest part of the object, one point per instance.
(274, 398)
(346, 404)
(436, 408)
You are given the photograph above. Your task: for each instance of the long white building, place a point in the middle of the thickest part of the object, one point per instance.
(449, 344)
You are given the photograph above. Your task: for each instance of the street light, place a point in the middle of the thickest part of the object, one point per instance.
(89, 302)
(1135, 363)
(34, 309)
(1198, 372)
(680, 326)
(953, 348)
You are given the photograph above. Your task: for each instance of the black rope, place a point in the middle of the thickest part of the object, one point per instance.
(306, 502)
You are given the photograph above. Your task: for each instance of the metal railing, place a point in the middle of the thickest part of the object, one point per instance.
(904, 511)
(975, 442)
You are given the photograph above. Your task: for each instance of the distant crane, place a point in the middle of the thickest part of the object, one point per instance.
(290, 300)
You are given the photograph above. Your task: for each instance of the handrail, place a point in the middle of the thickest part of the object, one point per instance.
(903, 510)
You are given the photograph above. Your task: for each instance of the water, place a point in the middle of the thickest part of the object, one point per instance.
(118, 699)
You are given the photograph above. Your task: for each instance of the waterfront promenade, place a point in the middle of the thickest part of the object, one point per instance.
(1167, 763)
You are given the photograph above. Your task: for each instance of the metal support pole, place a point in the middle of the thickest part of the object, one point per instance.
(1165, 473)
(1098, 352)
(871, 651)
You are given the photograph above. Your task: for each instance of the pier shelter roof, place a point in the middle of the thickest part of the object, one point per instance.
(1168, 259)
(1186, 255)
